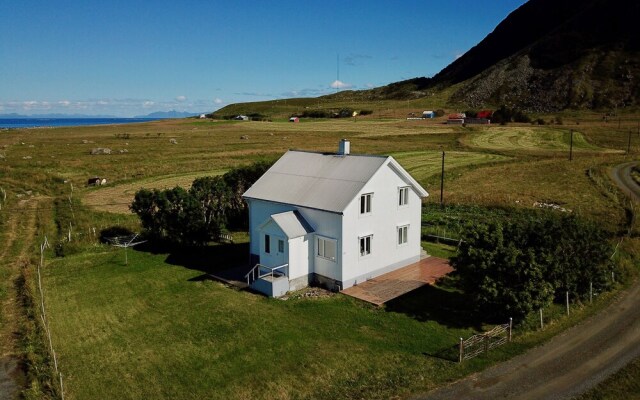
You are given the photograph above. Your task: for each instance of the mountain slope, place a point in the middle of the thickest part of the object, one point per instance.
(573, 55)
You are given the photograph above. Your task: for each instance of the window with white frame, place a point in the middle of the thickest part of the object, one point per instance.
(403, 196)
(402, 234)
(326, 248)
(280, 246)
(365, 203)
(365, 245)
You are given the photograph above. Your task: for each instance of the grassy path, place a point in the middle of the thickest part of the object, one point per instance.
(16, 248)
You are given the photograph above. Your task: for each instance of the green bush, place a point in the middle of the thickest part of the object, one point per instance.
(199, 215)
(513, 267)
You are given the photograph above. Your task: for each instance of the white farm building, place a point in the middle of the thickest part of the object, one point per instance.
(334, 219)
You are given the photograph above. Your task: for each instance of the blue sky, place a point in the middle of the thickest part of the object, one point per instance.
(132, 57)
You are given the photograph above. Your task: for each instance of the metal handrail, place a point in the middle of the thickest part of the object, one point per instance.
(251, 275)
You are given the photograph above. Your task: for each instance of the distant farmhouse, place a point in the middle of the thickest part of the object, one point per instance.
(333, 219)
(428, 114)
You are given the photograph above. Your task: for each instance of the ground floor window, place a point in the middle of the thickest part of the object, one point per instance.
(326, 248)
(280, 246)
(365, 245)
(267, 244)
(402, 234)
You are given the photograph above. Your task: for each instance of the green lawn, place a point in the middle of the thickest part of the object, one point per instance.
(157, 330)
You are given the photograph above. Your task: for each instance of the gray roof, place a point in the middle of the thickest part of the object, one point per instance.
(319, 180)
(315, 180)
(292, 224)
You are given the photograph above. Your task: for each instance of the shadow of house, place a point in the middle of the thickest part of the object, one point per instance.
(229, 261)
(451, 308)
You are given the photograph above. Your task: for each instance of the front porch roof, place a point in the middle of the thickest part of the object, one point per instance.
(292, 224)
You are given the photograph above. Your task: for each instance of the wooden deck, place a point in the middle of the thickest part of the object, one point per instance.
(394, 284)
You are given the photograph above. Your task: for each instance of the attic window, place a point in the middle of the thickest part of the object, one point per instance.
(365, 203)
(403, 196)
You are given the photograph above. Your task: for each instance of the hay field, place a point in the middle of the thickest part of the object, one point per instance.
(530, 139)
(423, 165)
(117, 198)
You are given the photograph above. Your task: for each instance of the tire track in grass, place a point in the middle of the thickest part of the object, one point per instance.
(15, 250)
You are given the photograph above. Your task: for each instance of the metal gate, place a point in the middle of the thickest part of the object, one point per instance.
(483, 342)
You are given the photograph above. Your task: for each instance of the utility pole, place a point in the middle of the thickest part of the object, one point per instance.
(442, 183)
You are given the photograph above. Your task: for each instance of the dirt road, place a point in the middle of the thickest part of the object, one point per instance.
(621, 175)
(571, 362)
(568, 365)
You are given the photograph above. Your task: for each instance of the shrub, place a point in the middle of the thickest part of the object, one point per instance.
(197, 216)
(513, 267)
(315, 114)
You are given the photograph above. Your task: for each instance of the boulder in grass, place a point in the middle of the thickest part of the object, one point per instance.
(100, 150)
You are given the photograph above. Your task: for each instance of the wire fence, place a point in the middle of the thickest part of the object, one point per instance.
(43, 316)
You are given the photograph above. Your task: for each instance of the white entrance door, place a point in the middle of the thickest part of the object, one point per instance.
(280, 247)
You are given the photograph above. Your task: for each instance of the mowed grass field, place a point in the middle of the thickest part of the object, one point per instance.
(158, 328)
(531, 139)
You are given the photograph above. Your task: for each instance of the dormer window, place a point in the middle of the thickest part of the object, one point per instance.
(403, 196)
(365, 203)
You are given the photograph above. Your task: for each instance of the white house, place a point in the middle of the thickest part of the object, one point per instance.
(334, 219)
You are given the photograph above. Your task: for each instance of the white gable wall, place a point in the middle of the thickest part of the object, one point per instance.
(382, 223)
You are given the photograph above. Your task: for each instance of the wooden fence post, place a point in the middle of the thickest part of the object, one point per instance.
(461, 350)
(567, 303)
(510, 327)
(541, 320)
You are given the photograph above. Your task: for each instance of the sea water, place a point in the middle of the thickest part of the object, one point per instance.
(57, 122)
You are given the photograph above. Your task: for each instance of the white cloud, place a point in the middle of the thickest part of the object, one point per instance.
(369, 85)
(340, 85)
(148, 104)
(181, 98)
(217, 101)
(64, 103)
(458, 55)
